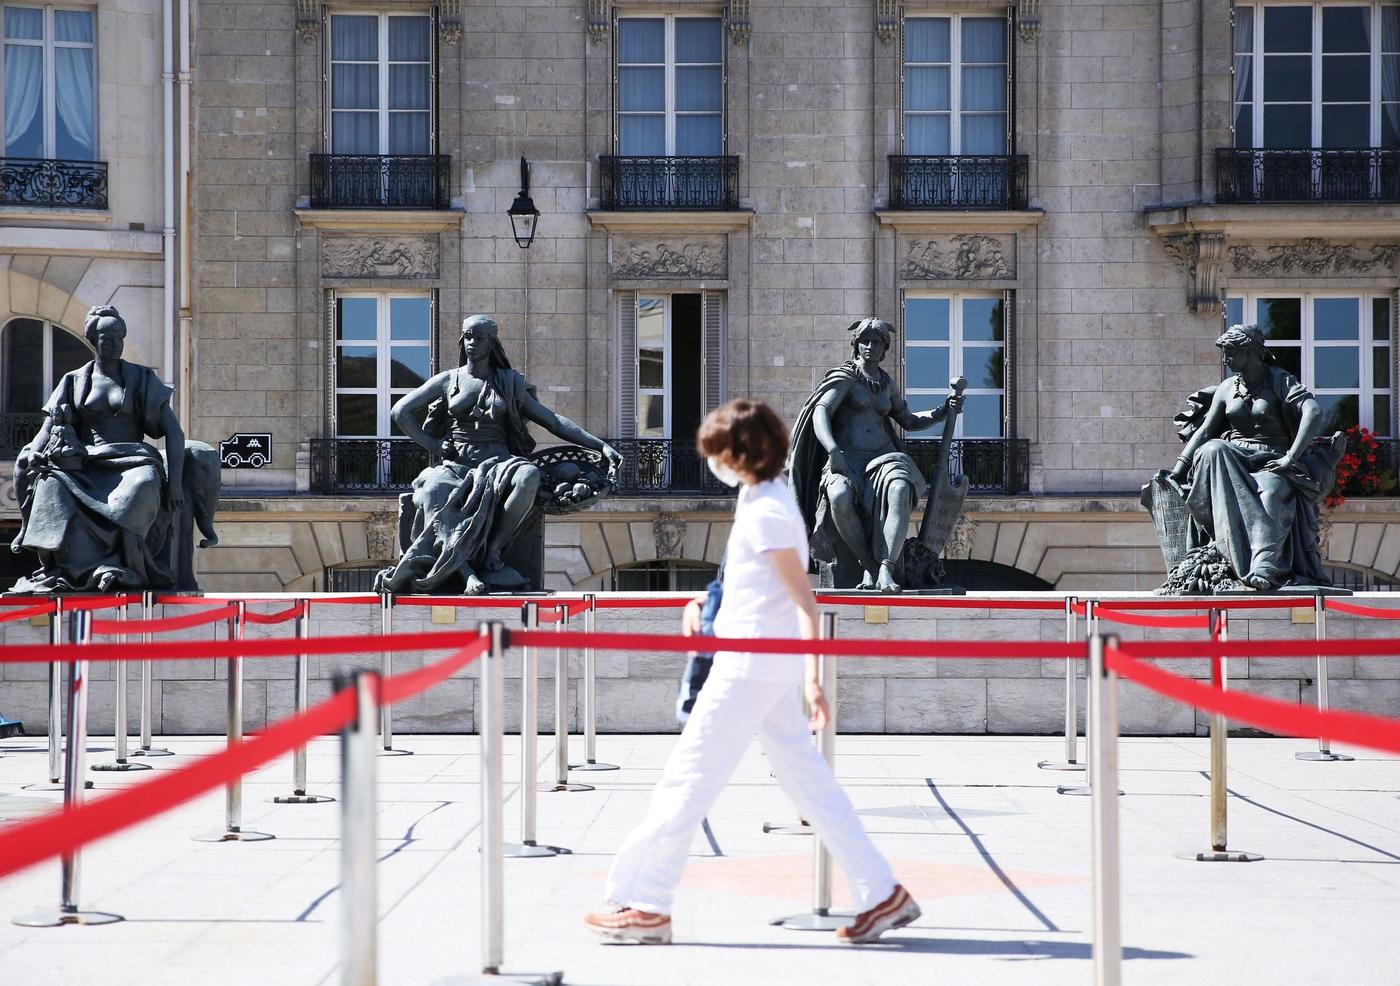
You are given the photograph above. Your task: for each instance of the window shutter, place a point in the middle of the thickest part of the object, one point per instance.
(1008, 382)
(332, 381)
(1011, 83)
(613, 69)
(712, 317)
(626, 362)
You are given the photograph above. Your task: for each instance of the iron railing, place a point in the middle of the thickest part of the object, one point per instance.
(991, 465)
(16, 431)
(366, 465)
(664, 467)
(380, 181)
(53, 184)
(669, 182)
(1316, 174)
(958, 181)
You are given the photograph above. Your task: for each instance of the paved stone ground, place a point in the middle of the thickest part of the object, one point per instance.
(999, 861)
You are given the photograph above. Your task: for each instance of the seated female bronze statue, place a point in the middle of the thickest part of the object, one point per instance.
(1252, 473)
(464, 512)
(855, 484)
(99, 504)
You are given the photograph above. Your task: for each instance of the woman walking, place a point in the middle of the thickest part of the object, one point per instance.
(766, 594)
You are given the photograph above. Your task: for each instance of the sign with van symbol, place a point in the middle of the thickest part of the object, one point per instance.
(252, 451)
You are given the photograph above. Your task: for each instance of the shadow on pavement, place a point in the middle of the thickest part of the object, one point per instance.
(1011, 949)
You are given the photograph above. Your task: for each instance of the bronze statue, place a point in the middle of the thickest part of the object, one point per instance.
(853, 480)
(100, 507)
(473, 521)
(1239, 507)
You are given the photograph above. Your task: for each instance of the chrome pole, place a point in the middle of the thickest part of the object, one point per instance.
(119, 710)
(1071, 760)
(1219, 782)
(1108, 940)
(1091, 630)
(492, 795)
(359, 911)
(589, 710)
(386, 670)
(529, 743)
(74, 774)
(302, 700)
(1324, 748)
(148, 608)
(561, 713)
(55, 764)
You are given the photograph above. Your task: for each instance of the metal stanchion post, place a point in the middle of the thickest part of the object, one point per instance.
(359, 908)
(55, 781)
(386, 670)
(589, 703)
(233, 793)
(1219, 784)
(148, 608)
(529, 749)
(1103, 703)
(1324, 750)
(302, 699)
(1071, 760)
(561, 715)
(119, 713)
(821, 918)
(1091, 630)
(73, 774)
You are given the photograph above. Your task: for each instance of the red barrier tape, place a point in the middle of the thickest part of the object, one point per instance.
(1144, 620)
(1011, 649)
(171, 650)
(1353, 609)
(669, 603)
(1283, 718)
(938, 602)
(398, 687)
(29, 612)
(88, 604)
(63, 831)
(480, 602)
(346, 600)
(279, 616)
(166, 623)
(1215, 602)
(1380, 647)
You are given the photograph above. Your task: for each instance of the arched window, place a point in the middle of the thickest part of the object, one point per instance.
(1359, 579)
(34, 354)
(663, 576)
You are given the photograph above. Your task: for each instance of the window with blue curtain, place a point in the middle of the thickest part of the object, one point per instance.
(670, 86)
(381, 84)
(955, 85)
(50, 82)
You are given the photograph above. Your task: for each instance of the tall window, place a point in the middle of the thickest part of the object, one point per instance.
(381, 84)
(1337, 344)
(383, 349)
(1315, 75)
(670, 357)
(670, 86)
(49, 78)
(34, 354)
(955, 85)
(957, 335)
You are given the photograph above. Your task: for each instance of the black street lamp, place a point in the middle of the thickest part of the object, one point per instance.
(524, 217)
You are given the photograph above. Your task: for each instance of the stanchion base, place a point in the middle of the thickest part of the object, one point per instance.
(1227, 856)
(390, 752)
(812, 921)
(785, 828)
(242, 835)
(152, 751)
(1319, 755)
(522, 850)
(1059, 765)
(300, 799)
(1078, 790)
(594, 765)
(45, 786)
(548, 788)
(119, 765)
(521, 978)
(58, 918)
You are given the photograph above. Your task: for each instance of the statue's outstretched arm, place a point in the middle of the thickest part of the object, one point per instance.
(565, 428)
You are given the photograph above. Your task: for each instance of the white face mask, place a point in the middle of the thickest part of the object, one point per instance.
(727, 475)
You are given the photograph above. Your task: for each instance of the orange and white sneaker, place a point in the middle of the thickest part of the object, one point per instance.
(895, 911)
(627, 924)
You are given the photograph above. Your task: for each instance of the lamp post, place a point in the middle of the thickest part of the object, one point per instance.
(524, 217)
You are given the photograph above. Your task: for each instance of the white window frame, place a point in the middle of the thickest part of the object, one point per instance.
(383, 345)
(382, 110)
(669, 111)
(1257, 57)
(955, 65)
(668, 354)
(46, 363)
(1366, 393)
(49, 44)
(955, 345)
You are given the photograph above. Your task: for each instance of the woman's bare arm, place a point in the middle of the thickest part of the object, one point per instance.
(793, 574)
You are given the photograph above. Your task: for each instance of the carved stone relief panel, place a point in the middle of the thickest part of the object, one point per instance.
(1313, 257)
(696, 258)
(402, 255)
(669, 530)
(1200, 255)
(965, 256)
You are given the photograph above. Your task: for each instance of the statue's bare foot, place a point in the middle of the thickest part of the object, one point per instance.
(1258, 582)
(867, 583)
(475, 587)
(886, 582)
(106, 582)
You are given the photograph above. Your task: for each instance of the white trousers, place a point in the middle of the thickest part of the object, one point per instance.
(726, 715)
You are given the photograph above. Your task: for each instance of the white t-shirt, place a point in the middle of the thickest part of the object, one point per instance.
(756, 603)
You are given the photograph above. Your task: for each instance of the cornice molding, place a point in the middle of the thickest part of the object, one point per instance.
(380, 220)
(921, 221)
(673, 221)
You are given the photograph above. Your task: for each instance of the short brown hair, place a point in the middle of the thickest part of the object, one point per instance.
(750, 433)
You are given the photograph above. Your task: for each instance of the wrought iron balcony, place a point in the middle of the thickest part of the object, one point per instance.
(991, 465)
(669, 182)
(958, 181)
(53, 184)
(16, 431)
(380, 181)
(366, 465)
(664, 467)
(1309, 174)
